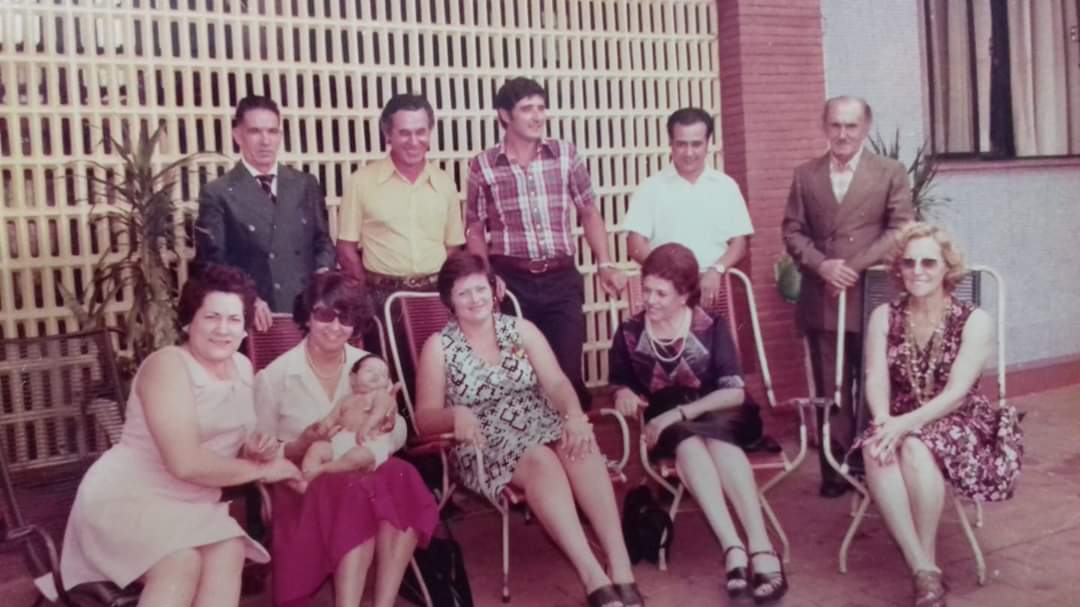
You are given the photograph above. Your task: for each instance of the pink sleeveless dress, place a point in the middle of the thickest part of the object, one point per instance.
(130, 512)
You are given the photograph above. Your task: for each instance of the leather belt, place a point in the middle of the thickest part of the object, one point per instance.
(533, 266)
(389, 282)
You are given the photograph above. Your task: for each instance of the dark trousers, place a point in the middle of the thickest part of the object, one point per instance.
(553, 302)
(844, 422)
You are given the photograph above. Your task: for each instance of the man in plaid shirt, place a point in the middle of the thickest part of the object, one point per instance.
(522, 191)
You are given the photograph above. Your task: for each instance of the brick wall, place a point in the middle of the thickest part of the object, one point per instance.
(772, 86)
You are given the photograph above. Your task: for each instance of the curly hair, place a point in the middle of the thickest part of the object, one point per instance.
(215, 279)
(675, 262)
(338, 291)
(954, 258)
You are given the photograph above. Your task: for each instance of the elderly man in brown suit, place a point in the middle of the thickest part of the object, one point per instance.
(843, 213)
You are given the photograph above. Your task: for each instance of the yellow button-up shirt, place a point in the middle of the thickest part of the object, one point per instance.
(402, 227)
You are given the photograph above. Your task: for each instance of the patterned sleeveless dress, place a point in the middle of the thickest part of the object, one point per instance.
(514, 413)
(978, 446)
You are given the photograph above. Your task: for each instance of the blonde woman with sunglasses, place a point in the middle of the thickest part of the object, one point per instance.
(931, 425)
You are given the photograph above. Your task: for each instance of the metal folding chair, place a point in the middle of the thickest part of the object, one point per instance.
(665, 473)
(879, 288)
(62, 408)
(423, 315)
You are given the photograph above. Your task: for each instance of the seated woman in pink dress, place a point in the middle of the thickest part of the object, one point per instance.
(150, 507)
(368, 506)
(924, 355)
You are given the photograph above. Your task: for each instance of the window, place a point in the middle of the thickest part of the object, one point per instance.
(1004, 77)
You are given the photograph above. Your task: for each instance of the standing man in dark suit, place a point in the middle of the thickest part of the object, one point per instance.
(843, 214)
(263, 217)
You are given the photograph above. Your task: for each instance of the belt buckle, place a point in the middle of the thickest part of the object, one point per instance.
(538, 266)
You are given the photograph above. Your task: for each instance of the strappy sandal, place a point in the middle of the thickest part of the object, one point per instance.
(930, 588)
(775, 581)
(604, 596)
(630, 595)
(737, 578)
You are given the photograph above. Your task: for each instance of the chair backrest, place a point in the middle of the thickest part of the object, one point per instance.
(422, 315)
(722, 305)
(879, 287)
(60, 408)
(262, 347)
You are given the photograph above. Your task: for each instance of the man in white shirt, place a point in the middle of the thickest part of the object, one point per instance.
(690, 203)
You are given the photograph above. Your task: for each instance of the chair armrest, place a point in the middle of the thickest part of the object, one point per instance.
(624, 430)
(429, 443)
(27, 533)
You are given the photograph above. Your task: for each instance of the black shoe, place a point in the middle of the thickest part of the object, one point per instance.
(833, 488)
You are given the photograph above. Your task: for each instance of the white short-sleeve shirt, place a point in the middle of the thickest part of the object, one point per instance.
(703, 215)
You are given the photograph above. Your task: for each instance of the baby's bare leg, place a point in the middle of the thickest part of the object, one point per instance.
(318, 454)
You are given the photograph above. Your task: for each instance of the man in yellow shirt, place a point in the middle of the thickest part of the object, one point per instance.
(399, 216)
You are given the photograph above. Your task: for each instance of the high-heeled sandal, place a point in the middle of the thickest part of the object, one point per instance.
(604, 595)
(737, 579)
(775, 581)
(630, 595)
(930, 588)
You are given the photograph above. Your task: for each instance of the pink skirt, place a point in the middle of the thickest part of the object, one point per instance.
(311, 532)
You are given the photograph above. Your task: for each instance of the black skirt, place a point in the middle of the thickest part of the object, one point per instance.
(740, 425)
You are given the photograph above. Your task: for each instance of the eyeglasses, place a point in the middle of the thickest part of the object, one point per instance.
(928, 264)
(328, 315)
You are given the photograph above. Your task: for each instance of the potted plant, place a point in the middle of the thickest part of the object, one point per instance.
(134, 201)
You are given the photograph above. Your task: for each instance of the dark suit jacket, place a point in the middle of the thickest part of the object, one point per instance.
(280, 245)
(860, 230)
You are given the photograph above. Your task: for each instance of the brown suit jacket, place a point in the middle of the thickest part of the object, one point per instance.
(860, 230)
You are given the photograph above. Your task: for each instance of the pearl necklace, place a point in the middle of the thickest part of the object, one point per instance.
(656, 343)
(923, 383)
(315, 368)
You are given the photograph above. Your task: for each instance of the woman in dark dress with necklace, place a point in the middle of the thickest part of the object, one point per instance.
(924, 355)
(680, 364)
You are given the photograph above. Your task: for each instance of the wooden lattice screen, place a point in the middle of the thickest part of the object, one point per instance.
(73, 70)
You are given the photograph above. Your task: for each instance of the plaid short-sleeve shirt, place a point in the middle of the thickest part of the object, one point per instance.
(527, 209)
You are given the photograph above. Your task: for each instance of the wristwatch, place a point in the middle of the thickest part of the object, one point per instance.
(607, 264)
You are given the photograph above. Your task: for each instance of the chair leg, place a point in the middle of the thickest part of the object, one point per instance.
(864, 503)
(978, 514)
(674, 510)
(420, 580)
(506, 555)
(980, 561)
(775, 523)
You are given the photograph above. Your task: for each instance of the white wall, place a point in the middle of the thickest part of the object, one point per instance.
(1024, 220)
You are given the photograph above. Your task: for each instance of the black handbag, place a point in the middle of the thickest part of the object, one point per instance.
(443, 566)
(646, 525)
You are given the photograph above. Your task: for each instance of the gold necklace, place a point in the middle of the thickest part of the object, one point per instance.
(315, 368)
(923, 383)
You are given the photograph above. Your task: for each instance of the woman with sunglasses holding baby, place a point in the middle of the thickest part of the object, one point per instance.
(924, 355)
(357, 504)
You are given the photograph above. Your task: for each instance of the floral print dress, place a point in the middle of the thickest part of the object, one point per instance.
(513, 411)
(979, 445)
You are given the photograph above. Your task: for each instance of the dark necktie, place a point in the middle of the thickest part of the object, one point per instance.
(267, 182)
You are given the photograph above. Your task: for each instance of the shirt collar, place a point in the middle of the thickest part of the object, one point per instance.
(387, 169)
(550, 145)
(671, 172)
(853, 164)
(255, 172)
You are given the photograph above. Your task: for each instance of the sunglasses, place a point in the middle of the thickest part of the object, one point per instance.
(928, 264)
(328, 315)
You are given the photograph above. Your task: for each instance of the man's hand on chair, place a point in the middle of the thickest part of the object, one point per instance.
(263, 316)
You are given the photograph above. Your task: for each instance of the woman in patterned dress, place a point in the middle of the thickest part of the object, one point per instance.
(679, 363)
(924, 355)
(494, 382)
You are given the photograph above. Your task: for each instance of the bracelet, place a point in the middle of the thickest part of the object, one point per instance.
(682, 412)
(607, 264)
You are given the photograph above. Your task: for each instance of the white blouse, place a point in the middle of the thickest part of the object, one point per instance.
(289, 398)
